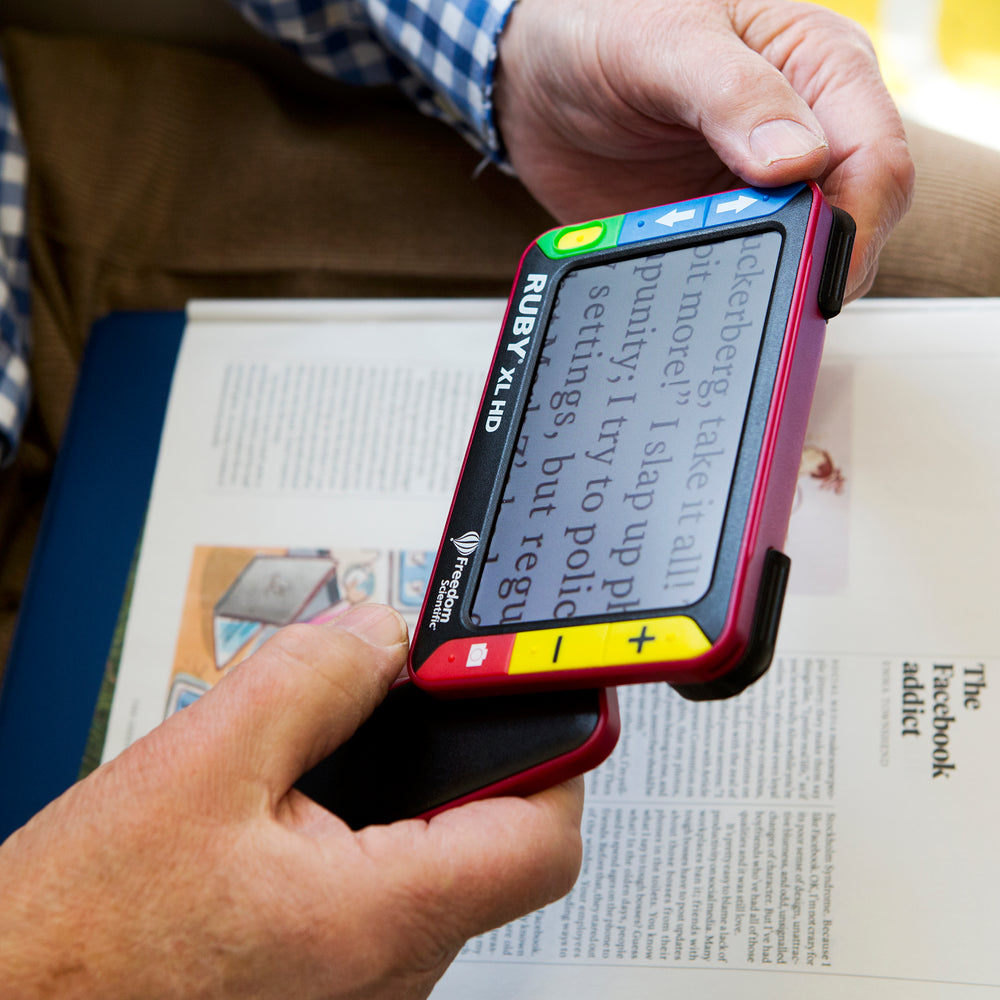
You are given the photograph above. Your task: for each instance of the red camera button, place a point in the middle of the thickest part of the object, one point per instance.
(483, 656)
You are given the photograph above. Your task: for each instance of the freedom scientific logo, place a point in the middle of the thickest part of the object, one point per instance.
(447, 593)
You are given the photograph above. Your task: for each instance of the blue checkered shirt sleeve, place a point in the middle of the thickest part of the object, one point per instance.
(15, 390)
(441, 53)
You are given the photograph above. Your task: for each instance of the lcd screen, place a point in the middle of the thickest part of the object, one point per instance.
(616, 495)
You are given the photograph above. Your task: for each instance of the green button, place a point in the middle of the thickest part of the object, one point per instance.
(581, 238)
(571, 240)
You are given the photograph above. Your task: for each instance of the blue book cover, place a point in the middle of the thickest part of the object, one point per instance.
(90, 529)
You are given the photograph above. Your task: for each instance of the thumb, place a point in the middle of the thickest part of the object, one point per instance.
(748, 112)
(302, 694)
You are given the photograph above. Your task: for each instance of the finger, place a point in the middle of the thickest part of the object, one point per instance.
(302, 694)
(755, 121)
(872, 179)
(815, 71)
(830, 61)
(745, 108)
(475, 867)
(876, 203)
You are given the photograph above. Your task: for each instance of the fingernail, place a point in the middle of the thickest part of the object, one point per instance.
(783, 139)
(377, 624)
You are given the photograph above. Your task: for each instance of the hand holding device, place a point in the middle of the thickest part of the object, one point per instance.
(189, 866)
(601, 112)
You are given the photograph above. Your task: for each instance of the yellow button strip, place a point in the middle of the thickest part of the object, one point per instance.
(580, 647)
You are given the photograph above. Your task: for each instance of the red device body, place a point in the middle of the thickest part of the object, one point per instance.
(754, 276)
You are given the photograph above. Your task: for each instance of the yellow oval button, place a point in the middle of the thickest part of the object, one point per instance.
(579, 238)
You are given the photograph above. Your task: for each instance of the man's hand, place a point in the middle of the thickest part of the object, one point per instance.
(608, 106)
(189, 867)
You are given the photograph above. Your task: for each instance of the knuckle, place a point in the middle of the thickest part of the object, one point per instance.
(837, 37)
(299, 650)
(294, 641)
(427, 930)
(903, 174)
(734, 80)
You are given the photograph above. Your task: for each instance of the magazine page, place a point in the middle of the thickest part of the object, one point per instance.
(308, 457)
(834, 826)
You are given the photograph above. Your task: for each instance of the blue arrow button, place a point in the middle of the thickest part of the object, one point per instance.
(662, 221)
(749, 203)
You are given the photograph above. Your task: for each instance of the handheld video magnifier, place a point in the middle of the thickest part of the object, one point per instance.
(629, 480)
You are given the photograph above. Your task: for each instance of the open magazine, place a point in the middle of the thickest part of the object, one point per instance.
(828, 833)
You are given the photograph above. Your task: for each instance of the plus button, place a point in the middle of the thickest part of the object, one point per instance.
(641, 639)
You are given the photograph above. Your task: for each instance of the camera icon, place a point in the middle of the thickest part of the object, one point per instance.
(477, 654)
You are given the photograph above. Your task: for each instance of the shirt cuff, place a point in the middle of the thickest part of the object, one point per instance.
(451, 50)
(441, 53)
